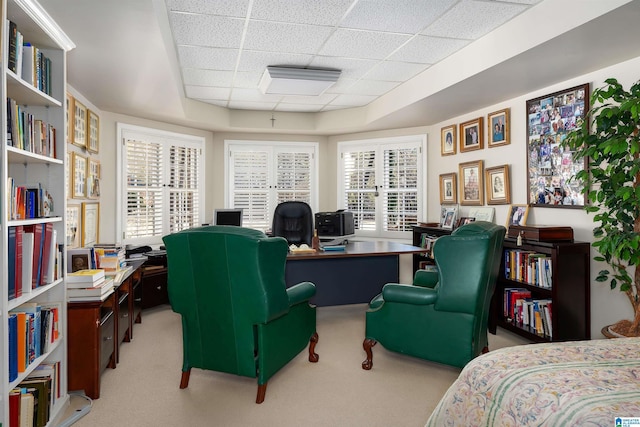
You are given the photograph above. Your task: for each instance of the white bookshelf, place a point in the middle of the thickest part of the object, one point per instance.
(27, 168)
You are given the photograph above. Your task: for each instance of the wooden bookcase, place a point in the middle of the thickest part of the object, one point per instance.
(418, 233)
(569, 291)
(27, 167)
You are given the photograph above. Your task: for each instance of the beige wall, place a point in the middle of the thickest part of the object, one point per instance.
(606, 306)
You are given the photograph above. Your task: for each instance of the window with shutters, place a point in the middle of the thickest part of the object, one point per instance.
(381, 182)
(262, 174)
(161, 183)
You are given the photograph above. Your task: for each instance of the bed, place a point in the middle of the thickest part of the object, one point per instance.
(579, 383)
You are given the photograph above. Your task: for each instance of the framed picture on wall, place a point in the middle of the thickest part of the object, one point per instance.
(448, 140)
(498, 124)
(90, 223)
(498, 187)
(73, 226)
(448, 189)
(93, 179)
(78, 176)
(471, 135)
(549, 166)
(93, 132)
(472, 183)
(69, 117)
(79, 124)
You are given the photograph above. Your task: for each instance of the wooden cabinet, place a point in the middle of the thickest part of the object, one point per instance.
(154, 286)
(421, 237)
(569, 291)
(92, 343)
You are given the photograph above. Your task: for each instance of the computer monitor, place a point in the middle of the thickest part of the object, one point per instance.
(227, 217)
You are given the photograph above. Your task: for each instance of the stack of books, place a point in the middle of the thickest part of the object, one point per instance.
(110, 257)
(88, 285)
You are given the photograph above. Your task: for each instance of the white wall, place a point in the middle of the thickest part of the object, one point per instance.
(606, 306)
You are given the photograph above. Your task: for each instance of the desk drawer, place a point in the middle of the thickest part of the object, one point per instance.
(107, 341)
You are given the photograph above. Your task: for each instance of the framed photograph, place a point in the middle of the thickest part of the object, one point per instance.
(69, 117)
(471, 135)
(498, 123)
(79, 124)
(93, 132)
(68, 157)
(443, 213)
(482, 213)
(449, 217)
(498, 187)
(90, 223)
(73, 226)
(471, 183)
(549, 166)
(465, 220)
(517, 215)
(79, 176)
(93, 179)
(448, 140)
(448, 189)
(78, 259)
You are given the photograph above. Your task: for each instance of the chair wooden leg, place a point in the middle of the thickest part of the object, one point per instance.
(485, 350)
(262, 390)
(367, 345)
(313, 357)
(184, 381)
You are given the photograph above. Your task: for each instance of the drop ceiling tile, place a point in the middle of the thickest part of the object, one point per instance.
(393, 71)
(400, 16)
(353, 100)
(247, 80)
(219, 7)
(351, 68)
(371, 87)
(206, 30)
(325, 12)
(207, 58)
(198, 77)
(428, 50)
(473, 19)
(214, 102)
(362, 44)
(255, 61)
(341, 86)
(282, 37)
(306, 108)
(323, 99)
(253, 95)
(206, 92)
(244, 105)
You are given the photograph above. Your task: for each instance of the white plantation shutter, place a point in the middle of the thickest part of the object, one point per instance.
(263, 174)
(381, 183)
(162, 183)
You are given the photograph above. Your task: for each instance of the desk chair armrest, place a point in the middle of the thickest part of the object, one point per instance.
(408, 294)
(300, 292)
(426, 279)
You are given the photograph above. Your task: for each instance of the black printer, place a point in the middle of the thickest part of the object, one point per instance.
(334, 224)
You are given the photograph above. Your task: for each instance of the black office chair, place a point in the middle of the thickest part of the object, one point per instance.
(293, 221)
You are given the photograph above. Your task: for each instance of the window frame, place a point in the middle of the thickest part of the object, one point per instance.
(166, 139)
(419, 141)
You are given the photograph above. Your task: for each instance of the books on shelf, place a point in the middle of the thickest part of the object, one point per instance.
(30, 64)
(529, 267)
(522, 310)
(110, 257)
(86, 278)
(28, 201)
(92, 293)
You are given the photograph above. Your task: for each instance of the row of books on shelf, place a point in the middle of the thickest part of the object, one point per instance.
(89, 285)
(33, 329)
(35, 258)
(26, 132)
(31, 402)
(427, 241)
(28, 61)
(28, 202)
(524, 311)
(107, 257)
(529, 267)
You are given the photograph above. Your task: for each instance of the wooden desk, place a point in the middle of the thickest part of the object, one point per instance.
(352, 276)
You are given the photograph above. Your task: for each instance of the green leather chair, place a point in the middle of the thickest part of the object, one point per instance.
(237, 314)
(443, 315)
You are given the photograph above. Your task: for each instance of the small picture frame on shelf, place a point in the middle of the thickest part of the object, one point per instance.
(448, 140)
(90, 223)
(465, 220)
(472, 183)
(482, 213)
(448, 189)
(73, 226)
(449, 218)
(79, 176)
(79, 124)
(517, 215)
(498, 187)
(498, 123)
(471, 135)
(93, 132)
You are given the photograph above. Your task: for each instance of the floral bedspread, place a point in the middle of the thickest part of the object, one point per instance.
(579, 383)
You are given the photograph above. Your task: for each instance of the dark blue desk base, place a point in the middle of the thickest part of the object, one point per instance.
(347, 280)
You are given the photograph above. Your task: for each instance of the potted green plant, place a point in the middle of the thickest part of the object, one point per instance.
(608, 138)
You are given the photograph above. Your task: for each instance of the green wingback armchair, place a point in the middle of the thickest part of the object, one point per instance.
(237, 314)
(443, 315)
